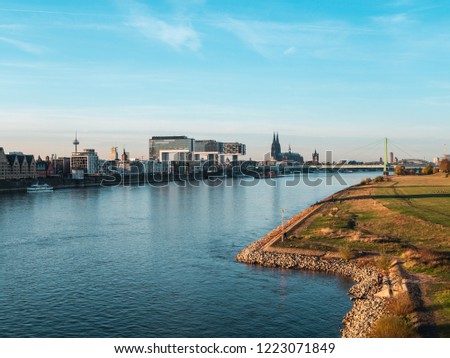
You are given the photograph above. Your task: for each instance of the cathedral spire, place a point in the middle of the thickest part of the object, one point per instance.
(278, 146)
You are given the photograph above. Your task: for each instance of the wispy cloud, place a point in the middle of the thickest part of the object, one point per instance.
(23, 46)
(290, 51)
(393, 19)
(176, 34)
(273, 38)
(12, 26)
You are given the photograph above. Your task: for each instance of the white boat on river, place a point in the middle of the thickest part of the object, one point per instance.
(40, 188)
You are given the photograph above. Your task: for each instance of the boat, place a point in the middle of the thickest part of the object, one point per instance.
(40, 188)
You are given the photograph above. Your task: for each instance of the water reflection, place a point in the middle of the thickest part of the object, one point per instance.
(157, 261)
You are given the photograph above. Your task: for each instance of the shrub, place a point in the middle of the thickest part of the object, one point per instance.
(427, 170)
(401, 305)
(379, 179)
(383, 262)
(366, 181)
(444, 165)
(346, 252)
(351, 224)
(399, 170)
(392, 327)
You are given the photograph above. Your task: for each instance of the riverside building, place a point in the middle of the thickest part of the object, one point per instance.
(17, 165)
(87, 161)
(167, 148)
(84, 162)
(183, 149)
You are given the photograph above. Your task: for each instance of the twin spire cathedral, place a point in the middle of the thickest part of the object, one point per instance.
(275, 151)
(278, 155)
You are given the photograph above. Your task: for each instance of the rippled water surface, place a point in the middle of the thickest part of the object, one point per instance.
(158, 262)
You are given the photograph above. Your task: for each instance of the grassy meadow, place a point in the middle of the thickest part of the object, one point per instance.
(406, 218)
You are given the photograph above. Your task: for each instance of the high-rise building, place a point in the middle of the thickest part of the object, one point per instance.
(207, 150)
(87, 160)
(182, 148)
(391, 157)
(113, 154)
(166, 148)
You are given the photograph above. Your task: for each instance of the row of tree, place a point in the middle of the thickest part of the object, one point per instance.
(444, 166)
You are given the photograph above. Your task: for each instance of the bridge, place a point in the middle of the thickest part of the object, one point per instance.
(353, 167)
(413, 164)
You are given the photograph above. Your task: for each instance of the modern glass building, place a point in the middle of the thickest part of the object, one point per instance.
(162, 148)
(182, 148)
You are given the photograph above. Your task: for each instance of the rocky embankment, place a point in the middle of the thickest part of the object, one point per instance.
(367, 307)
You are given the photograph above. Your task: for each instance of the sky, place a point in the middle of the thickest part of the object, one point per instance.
(325, 75)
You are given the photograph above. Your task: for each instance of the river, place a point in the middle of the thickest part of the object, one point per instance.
(158, 261)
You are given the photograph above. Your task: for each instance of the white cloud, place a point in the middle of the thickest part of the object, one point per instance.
(395, 19)
(290, 51)
(177, 35)
(273, 38)
(23, 46)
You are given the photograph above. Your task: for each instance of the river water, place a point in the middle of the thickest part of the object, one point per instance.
(158, 261)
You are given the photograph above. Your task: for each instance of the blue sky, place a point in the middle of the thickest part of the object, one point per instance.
(331, 75)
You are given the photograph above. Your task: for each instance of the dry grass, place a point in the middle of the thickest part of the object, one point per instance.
(429, 258)
(346, 252)
(407, 217)
(401, 305)
(392, 327)
(383, 262)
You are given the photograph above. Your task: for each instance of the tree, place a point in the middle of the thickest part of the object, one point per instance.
(444, 166)
(399, 170)
(427, 170)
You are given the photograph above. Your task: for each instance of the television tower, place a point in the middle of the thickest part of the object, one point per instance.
(76, 142)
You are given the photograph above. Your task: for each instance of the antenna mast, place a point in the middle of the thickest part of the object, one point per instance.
(385, 168)
(76, 142)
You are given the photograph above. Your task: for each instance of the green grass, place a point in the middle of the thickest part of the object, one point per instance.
(408, 217)
(429, 203)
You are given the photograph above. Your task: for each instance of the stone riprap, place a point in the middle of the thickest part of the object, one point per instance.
(367, 307)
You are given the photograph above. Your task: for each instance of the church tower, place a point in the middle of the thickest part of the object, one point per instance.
(278, 147)
(124, 156)
(315, 157)
(273, 149)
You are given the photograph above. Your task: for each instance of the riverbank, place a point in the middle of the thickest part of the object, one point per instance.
(362, 232)
(367, 308)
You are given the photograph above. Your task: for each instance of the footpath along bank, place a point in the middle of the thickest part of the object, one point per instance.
(374, 287)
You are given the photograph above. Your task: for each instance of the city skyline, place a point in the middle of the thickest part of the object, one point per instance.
(366, 153)
(326, 76)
